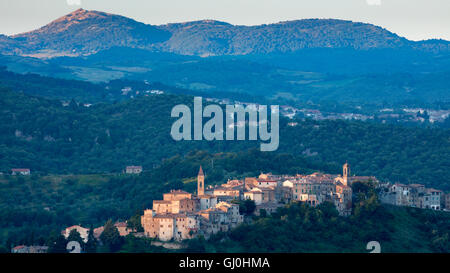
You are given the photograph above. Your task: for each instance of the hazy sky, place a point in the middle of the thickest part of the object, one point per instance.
(413, 19)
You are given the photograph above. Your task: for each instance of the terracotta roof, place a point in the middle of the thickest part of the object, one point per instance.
(20, 170)
(433, 190)
(161, 202)
(120, 224)
(172, 215)
(134, 167)
(362, 177)
(19, 247)
(209, 196)
(200, 172)
(178, 192)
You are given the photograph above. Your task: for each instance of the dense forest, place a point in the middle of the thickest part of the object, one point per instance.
(41, 204)
(47, 137)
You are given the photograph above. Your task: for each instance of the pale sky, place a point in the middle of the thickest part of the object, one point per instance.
(413, 19)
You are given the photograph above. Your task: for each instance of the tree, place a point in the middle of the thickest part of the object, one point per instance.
(91, 244)
(74, 235)
(134, 223)
(57, 244)
(263, 213)
(111, 237)
(247, 207)
(328, 210)
(134, 244)
(196, 245)
(3, 249)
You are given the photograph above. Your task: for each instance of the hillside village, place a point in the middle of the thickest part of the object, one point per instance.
(181, 215)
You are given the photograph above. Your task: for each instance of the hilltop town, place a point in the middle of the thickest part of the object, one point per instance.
(182, 215)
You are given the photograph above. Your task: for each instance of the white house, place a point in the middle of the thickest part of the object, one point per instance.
(20, 172)
(84, 232)
(255, 194)
(133, 169)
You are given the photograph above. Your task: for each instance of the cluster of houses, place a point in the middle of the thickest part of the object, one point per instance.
(133, 169)
(122, 227)
(29, 249)
(182, 215)
(414, 195)
(128, 170)
(384, 115)
(20, 171)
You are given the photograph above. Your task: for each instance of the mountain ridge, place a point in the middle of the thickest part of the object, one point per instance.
(85, 32)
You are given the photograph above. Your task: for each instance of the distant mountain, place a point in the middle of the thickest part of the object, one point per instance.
(9, 45)
(305, 60)
(217, 38)
(433, 45)
(85, 32)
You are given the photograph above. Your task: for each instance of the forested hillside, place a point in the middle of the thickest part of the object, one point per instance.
(48, 137)
(37, 207)
(41, 204)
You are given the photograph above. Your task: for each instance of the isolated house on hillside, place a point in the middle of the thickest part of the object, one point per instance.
(29, 249)
(84, 232)
(20, 172)
(133, 169)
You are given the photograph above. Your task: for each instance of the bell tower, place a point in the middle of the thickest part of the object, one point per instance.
(346, 172)
(200, 182)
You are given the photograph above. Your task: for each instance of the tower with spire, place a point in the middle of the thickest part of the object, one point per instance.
(346, 172)
(200, 182)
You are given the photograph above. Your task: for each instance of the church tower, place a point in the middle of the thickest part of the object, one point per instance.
(346, 172)
(200, 182)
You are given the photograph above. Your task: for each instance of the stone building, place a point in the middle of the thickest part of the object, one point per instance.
(133, 169)
(254, 194)
(84, 232)
(182, 215)
(432, 199)
(317, 188)
(413, 195)
(29, 249)
(445, 201)
(343, 199)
